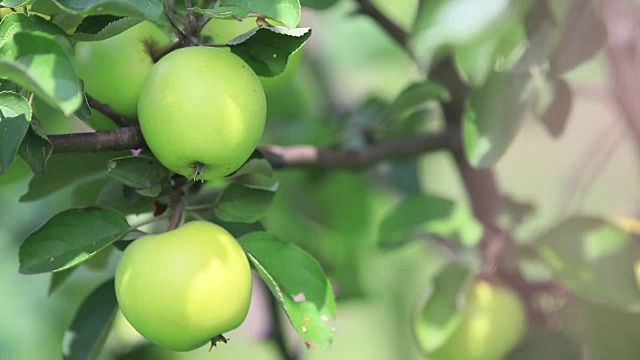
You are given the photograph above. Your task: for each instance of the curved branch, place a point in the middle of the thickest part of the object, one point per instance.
(279, 156)
(366, 7)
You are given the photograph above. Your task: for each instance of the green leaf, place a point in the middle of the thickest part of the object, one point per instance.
(543, 33)
(91, 324)
(46, 7)
(595, 260)
(417, 95)
(84, 111)
(146, 9)
(613, 334)
(256, 173)
(297, 281)
(35, 149)
(441, 313)
(86, 192)
(117, 196)
(63, 170)
(556, 115)
(421, 215)
(441, 23)
(493, 117)
(318, 4)
(239, 203)
(13, 3)
(267, 49)
(285, 11)
(58, 278)
(225, 12)
(151, 192)
(37, 62)
(69, 238)
(583, 35)
(138, 172)
(475, 61)
(101, 27)
(18, 22)
(15, 115)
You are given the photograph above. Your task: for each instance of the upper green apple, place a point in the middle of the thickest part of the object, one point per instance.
(181, 288)
(113, 70)
(202, 112)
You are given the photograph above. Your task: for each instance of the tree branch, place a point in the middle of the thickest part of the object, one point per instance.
(621, 19)
(366, 7)
(311, 156)
(124, 138)
(109, 112)
(279, 156)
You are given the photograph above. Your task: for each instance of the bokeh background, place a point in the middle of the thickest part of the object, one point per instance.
(591, 169)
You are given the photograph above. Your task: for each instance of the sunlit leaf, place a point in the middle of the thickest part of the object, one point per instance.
(298, 283)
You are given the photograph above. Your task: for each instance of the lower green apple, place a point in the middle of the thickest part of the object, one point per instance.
(202, 112)
(493, 322)
(182, 288)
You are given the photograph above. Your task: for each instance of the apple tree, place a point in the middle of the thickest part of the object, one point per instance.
(207, 154)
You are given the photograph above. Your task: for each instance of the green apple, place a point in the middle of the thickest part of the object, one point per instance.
(113, 70)
(184, 287)
(202, 112)
(493, 322)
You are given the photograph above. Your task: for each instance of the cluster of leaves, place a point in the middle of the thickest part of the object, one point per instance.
(36, 66)
(513, 56)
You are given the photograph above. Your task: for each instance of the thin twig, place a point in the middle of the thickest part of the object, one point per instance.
(109, 112)
(179, 32)
(366, 7)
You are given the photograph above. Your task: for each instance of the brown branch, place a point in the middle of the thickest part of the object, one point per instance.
(484, 195)
(278, 156)
(480, 184)
(109, 112)
(392, 149)
(623, 50)
(366, 7)
(125, 138)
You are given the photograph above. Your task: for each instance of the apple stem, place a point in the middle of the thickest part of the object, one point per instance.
(198, 170)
